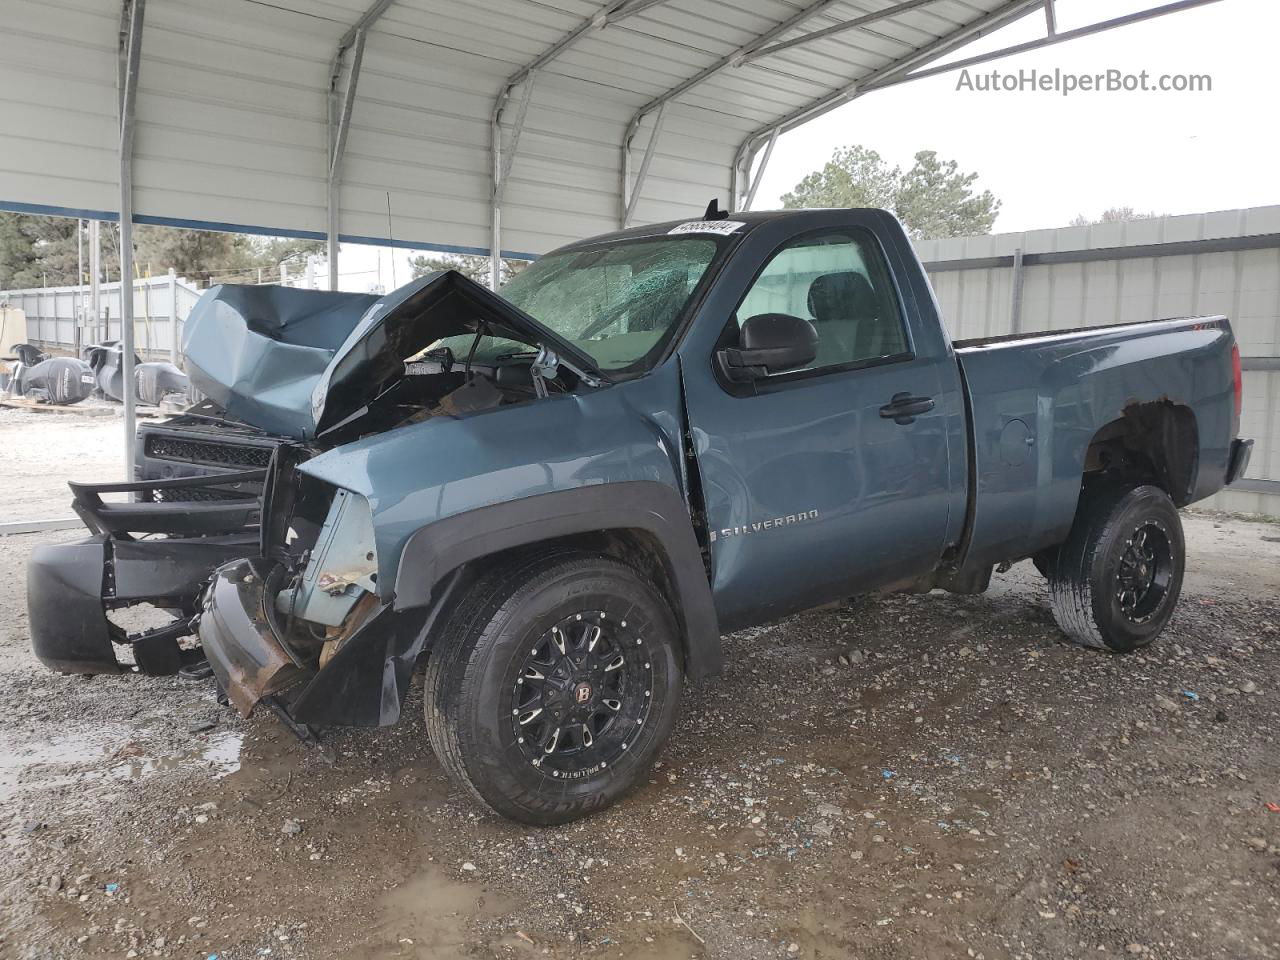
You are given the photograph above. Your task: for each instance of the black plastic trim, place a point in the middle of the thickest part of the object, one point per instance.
(69, 630)
(653, 507)
(180, 517)
(1238, 460)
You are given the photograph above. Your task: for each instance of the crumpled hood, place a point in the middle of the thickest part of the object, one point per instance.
(294, 362)
(258, 351)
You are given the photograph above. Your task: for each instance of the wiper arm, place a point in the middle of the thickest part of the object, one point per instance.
(591, 379)
(546, 364)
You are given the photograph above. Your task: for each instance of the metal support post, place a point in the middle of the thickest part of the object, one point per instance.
(502, 161)
(95, 272)
(173, 316)
(632, 192)
(764, 163)
(130, 53)
(1015, 308)
(79, 307)
(339, 120)
(339, 126)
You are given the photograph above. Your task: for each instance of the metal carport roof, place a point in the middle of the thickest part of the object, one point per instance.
(510, 125)
(233, 106)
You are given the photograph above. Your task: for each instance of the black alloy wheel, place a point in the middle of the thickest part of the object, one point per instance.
(1144, 572)
(583, 692)
(1115, 581)
(554, 686)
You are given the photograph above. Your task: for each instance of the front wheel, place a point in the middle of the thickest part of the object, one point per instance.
(1115, 582)
(555, 687)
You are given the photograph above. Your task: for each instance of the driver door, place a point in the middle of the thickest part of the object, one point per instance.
(812, 492)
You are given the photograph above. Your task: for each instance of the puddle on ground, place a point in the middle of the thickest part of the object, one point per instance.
(112, 753)
(220, 753)
(428, 917)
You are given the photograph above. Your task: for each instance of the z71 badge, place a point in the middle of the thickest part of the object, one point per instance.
(760, 525)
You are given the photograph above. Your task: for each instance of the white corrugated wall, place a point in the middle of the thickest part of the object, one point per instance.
(1243, 284)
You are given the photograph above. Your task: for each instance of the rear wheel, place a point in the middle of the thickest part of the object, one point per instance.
(1115, 582)
(555, 687)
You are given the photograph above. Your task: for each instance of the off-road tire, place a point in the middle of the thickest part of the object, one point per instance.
(1089, 600)
(483, 652)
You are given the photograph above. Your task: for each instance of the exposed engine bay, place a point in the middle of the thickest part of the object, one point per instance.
(456, 376)
(327, 367)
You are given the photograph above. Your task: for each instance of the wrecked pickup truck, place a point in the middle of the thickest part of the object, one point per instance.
(565, 494)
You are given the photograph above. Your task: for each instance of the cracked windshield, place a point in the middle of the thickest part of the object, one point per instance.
(620, 303)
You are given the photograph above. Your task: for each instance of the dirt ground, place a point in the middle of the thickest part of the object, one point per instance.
(899, 777)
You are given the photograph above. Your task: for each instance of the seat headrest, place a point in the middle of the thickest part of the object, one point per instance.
(842, 296)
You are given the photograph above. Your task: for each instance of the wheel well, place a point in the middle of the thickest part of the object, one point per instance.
(1154, 443)
(638, 549)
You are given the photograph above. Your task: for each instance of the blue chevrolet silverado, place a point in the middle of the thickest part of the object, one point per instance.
(564, 494)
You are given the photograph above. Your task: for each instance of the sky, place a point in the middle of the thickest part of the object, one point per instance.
(1047, 157)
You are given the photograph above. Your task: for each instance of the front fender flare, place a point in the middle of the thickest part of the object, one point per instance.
(435, 550)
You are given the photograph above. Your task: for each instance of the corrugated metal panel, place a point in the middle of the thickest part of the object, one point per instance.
(1242, 284)
(51, 314)
(232, 108)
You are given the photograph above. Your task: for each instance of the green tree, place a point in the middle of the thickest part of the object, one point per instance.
(1114, 215)
(936, 200)
(212, 257)
(19, 259)
(853, 177)
(194, 254)
(932, 199)
(36, 250)
(473, 267)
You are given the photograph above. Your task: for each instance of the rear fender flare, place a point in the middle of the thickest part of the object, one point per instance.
(657, 509)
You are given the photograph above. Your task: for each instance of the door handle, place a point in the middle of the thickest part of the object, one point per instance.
(904, 408)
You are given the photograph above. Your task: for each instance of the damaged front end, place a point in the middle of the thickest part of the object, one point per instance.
(275, 571)
(304, 624)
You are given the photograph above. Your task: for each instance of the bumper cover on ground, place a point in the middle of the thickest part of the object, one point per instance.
(70, 586)
(69, 630)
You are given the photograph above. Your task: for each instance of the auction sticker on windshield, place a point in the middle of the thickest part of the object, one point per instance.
(722, 227)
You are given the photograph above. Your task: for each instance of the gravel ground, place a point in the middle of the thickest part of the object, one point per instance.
(42, 451)
(896, 777)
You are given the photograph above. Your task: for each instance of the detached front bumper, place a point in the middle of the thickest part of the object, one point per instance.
(71, 585)
(239, 640)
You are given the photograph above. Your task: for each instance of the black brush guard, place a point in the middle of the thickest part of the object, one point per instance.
(71, 586)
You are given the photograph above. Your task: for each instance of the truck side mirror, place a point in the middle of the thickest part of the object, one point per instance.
(770, 343)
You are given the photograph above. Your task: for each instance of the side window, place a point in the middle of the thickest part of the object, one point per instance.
(839, 283)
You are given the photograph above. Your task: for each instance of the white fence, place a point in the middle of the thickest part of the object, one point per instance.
(160, 307)
(1227, 262)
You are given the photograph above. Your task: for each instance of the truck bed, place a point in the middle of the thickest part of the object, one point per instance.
(1038, 400)
(1007, 338)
